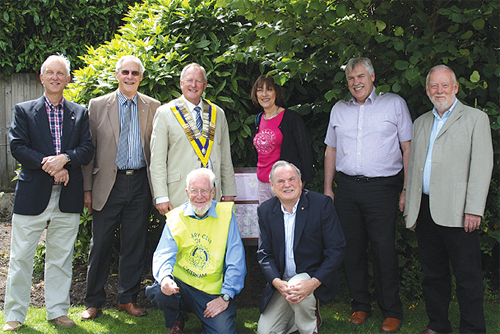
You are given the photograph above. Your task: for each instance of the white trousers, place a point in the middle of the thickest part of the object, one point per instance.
(60, 239)
(281, 317)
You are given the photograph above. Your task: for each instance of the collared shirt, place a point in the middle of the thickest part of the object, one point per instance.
(436, 127)
(289, 221)
(190, 107)
(136, 158)
(55, 116)
(368, 136)
(234, 261)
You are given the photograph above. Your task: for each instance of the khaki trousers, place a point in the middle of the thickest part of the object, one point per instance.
(60, 239)
(281, 317)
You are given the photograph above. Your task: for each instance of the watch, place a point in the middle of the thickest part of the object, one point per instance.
(67, 157)
(225, 297)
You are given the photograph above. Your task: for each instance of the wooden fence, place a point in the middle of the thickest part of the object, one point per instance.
(13, 89)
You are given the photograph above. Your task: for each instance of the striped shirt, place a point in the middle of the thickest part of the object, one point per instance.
(136, 158)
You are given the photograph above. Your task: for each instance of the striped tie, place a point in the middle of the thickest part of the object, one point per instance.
(199, 123)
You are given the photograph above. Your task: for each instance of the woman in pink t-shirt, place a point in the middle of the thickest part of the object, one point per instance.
(281, 135)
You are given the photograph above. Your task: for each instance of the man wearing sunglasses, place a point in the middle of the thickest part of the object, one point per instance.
(117, 187)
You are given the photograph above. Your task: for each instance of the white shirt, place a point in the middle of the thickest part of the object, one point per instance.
(289, 220)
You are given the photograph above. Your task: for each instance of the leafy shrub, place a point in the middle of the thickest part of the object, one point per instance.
(31, 30)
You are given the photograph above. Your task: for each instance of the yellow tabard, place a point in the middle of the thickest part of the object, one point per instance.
(201, 247)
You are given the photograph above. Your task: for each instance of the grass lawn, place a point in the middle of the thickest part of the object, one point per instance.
(335, 320)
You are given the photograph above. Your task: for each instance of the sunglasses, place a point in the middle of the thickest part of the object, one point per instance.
(126, 72)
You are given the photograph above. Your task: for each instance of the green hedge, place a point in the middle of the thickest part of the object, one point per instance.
(31, 30)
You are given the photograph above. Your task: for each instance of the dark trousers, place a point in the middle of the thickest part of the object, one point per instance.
(190, 299)
(437, 247)
(128, 205)
(367, 212)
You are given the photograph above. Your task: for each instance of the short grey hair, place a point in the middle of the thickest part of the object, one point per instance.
(353, 62)
(63, 58)
(184, 70)
(282, 163)
(130, 57)
(440, 67)
(201, 172)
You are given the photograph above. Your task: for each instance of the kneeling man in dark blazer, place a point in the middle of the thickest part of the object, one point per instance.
(300, 250)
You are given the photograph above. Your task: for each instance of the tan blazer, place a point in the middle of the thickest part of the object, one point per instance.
(172, 157)
(462, 163)
(100, 174)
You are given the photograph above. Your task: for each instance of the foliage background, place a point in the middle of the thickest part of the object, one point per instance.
(31, 30)
(304, 43)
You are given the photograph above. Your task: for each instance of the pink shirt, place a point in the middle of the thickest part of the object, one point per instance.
(368, 136)
(268, 144)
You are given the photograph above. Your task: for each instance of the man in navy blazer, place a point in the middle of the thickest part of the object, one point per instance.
(300, 250)
(50, 137)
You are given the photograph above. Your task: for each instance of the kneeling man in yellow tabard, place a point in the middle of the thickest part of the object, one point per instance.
(199, 263)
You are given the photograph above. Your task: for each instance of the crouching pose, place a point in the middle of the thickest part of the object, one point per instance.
(199, 263)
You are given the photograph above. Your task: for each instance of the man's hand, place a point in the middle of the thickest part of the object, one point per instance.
(299, 291)
(53, 163)
(472, 222)
(62, 176)
(215, 307)
(164, 207)
(227, 199)
(87, 200)
(329, 192)
(402, 199)
(168, 286)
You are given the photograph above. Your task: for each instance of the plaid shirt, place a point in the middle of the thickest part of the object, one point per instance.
(55, 115)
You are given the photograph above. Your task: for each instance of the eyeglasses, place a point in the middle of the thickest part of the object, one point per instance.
(126, 72)
(203, 192)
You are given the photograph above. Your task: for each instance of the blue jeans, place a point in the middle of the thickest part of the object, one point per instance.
(190, 299)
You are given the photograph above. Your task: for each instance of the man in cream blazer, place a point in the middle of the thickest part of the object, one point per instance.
(179, 144)
(450, 167)
(117, 187)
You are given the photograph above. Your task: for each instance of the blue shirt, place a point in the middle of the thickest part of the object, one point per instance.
(234, 261)
(436, 127)
(136, 158)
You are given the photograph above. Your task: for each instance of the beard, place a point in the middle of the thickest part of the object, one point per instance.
(201, 211)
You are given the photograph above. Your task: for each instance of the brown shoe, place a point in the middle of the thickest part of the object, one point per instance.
(177, 327)
(90, 313)
(11, 326)
(359, 317)
(391, 325)
(63, 321)
(133, 309)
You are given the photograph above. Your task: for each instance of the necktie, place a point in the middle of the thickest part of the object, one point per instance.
(199, 123)
(122, 154)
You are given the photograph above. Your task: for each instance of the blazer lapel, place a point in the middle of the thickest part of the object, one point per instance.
(68, 125)
(143, 114)
(300, 218)
(113, 113)
(42, 121)
(454, 116)
(278, 231)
